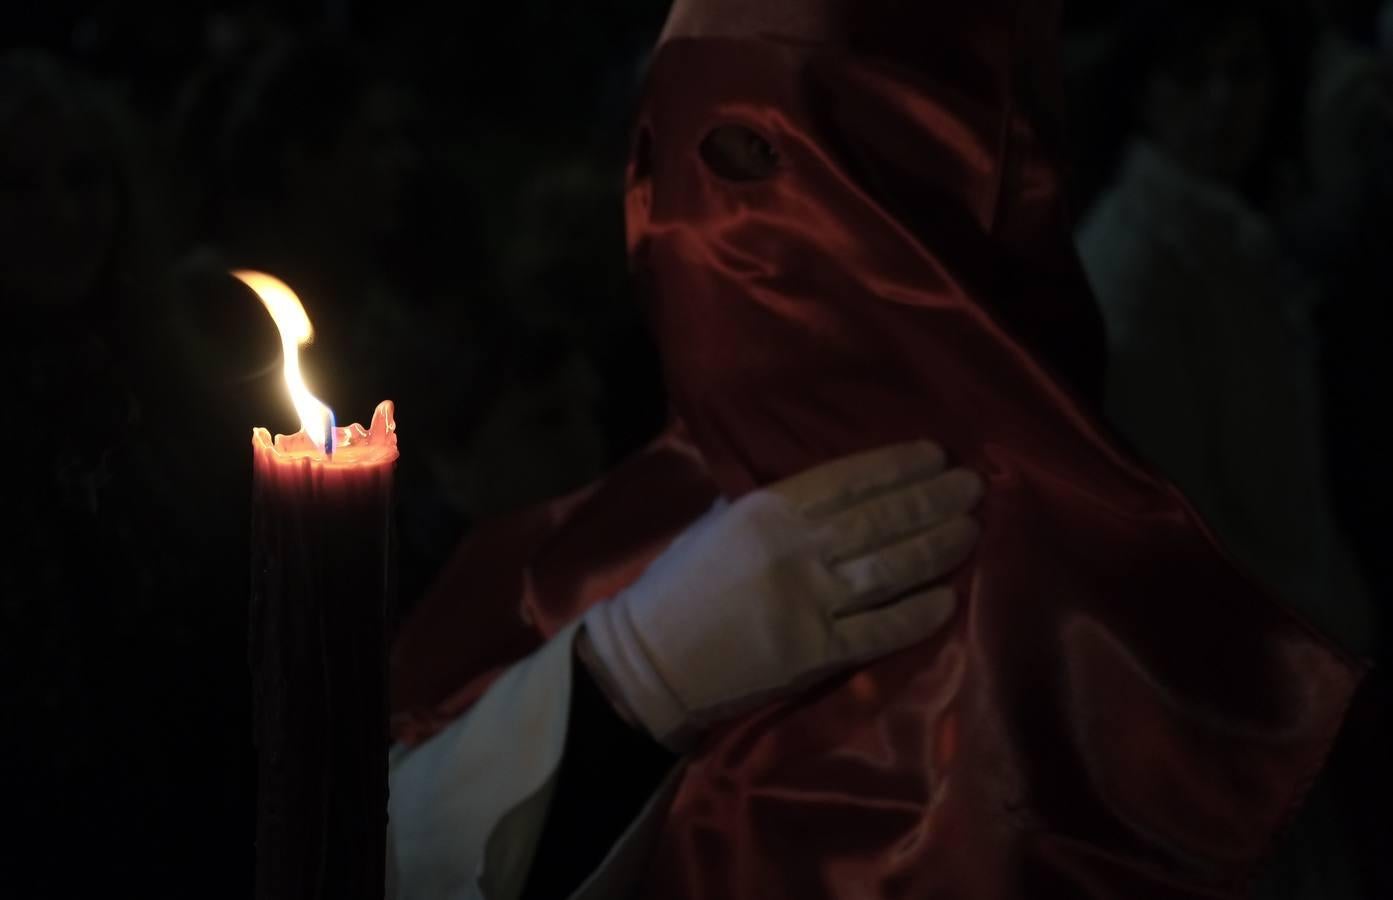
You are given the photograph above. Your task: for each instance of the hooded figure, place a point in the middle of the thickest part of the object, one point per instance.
(848, 224)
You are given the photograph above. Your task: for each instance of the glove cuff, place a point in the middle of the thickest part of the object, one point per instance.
(628, 667)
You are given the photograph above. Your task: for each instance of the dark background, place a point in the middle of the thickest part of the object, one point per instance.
(441, 185)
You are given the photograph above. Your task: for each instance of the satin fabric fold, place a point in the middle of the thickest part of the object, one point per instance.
(1117, 711)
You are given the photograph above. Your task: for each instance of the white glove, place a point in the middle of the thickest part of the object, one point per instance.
(761, 598)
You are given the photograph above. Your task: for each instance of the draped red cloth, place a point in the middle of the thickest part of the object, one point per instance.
(1116, 712)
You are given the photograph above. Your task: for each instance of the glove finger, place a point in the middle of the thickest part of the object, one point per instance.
(834, 486)
(901, 513)
(875, 578)
(903, 623)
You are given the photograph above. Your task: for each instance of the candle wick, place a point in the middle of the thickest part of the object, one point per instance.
(329, 434)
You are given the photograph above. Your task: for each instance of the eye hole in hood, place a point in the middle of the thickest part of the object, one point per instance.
(739, 153)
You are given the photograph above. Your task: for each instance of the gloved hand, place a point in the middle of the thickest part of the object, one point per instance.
(763, 597)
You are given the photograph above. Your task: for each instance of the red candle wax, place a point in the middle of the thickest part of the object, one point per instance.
(322, 535)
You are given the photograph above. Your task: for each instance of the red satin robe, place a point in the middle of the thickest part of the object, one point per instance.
(1117, 711)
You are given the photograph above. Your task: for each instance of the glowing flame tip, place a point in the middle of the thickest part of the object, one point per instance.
(316, 419)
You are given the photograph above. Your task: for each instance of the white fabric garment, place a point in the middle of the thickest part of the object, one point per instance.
(467, 807)
(1212, 375)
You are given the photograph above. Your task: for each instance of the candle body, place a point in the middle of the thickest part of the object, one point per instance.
(322, 535)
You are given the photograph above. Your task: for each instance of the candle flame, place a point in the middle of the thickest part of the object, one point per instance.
(316, 419)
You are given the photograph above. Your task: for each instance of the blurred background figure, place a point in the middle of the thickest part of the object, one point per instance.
(1212, 359)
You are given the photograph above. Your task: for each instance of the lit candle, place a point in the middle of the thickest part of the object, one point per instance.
(321, 578)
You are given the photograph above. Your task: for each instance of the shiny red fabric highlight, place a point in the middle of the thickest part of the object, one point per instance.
(1116, 712)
